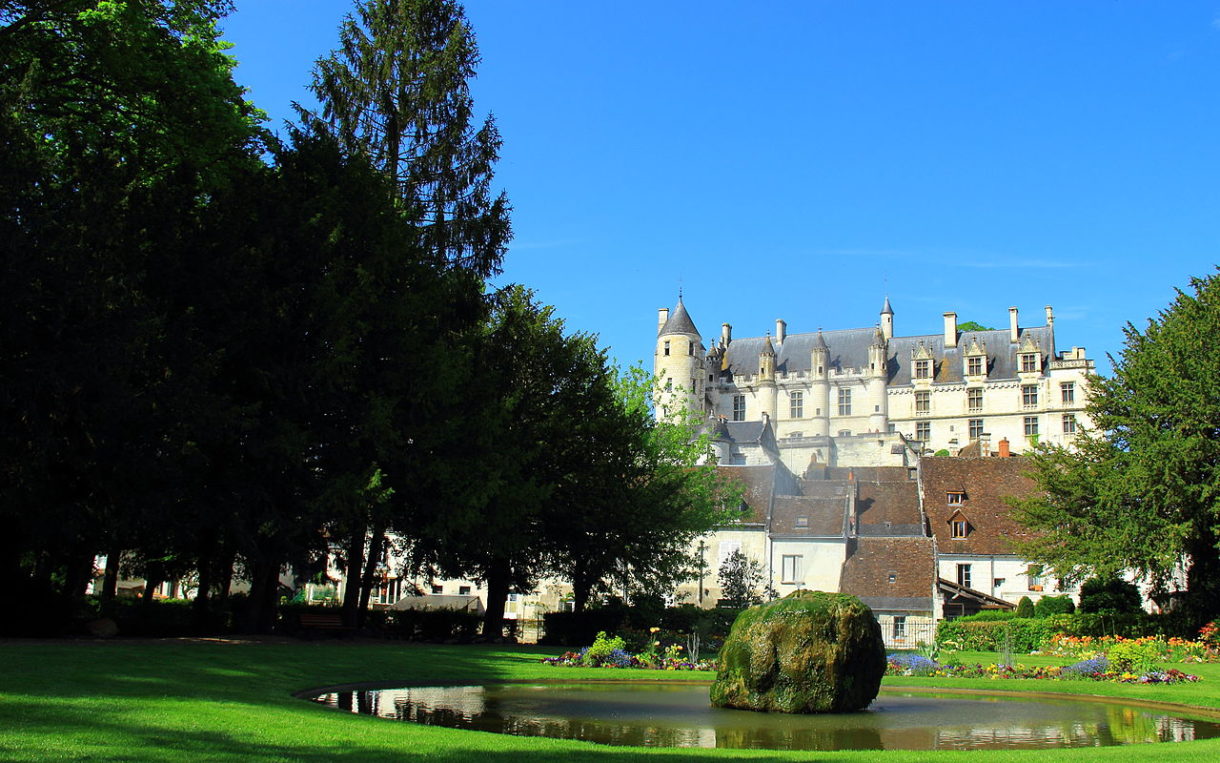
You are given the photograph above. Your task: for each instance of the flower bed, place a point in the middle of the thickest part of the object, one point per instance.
(1093, 669)
(607, 652)
(1138, 651)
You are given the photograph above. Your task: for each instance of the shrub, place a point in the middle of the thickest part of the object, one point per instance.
(574, 628)
(605, 651)
(1054, 605)
(1025, 607)
(432, 624)
(1110, 595)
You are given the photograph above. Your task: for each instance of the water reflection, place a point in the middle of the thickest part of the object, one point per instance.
(676, 715)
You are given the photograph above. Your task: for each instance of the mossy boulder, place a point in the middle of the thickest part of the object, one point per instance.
(809, 652)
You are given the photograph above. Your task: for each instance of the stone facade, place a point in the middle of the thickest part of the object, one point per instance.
(941, 391)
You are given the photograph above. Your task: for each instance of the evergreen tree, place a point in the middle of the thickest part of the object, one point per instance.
(1025, 607)
(397, 88)
(1141, 489)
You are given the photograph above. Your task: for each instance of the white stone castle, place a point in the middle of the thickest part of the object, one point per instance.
(820, 395)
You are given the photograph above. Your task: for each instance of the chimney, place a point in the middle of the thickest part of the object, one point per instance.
(950, 330)
(781, 328)
(726, 334)
(1050, 316)
(1012, 325)
(1005, 452)
(662, 317)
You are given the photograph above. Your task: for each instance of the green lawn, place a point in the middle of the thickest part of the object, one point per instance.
(160, 700)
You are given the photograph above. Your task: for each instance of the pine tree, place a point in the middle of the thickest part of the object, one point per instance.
(397, 89)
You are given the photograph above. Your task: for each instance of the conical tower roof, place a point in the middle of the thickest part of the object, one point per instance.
(887, 310)
(819, 343)
(679, 321)
(768, 348)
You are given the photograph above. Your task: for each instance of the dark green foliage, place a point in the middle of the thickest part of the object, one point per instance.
(580, 628)
(973, 326)
(810, 652)
(1141, 489)
(1025, 607)
(1109, 595)
(1054, 605)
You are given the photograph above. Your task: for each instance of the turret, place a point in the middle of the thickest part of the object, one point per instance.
(887, 320)
(877, 373)
(819, 372)
(678, 363)
(767, 392)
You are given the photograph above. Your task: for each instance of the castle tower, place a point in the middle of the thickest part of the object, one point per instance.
(887, 320)
(767, 391)
(877, 374)
(678, 363)
(819, 373)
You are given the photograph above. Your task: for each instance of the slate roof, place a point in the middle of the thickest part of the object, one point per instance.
(848, 348)
(679, 322)
(985, 483)
(871, 561)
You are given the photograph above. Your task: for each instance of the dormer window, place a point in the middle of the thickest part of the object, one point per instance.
(923, 369)
(959, 526)
(802, 521)
(1029, 361)
(955, 497)
(974, 365)
(893, 577)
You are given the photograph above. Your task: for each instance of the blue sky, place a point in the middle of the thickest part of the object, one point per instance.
(802, 160)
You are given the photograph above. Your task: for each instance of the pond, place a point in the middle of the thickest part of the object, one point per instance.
(668, 714)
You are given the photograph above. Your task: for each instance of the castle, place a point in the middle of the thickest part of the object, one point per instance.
(828, 396)
(834, 437)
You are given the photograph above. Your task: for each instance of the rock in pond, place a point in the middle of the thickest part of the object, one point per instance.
(809, 652)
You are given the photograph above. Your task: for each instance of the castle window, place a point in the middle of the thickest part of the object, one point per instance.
(1067, 391)
(923, 369)
(1031, 426)
(802, 521)
(1069, 423)
(1029, 395)
(923, 402)
(923, 430)
(739, 407)
(976, 429)
(974, 399)
(711, 377)
(796, 404)
(669, 385)
(666, 346)
(844, 402)
(974, 366)
(955, 498)
(963, 575)
(1029, 361)
(690, 348)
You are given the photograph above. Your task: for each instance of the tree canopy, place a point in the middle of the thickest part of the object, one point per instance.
(1141, 489)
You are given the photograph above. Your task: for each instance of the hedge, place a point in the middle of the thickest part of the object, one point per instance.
(1026, 634)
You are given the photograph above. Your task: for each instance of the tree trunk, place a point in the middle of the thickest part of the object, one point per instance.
(203, 596)
(154, 574)
(110, 583)
(78, 573)
(376, 544)
(351, 578)
(1203, 581)
(224, 574)
(264, 582)
(498, 582)
(582, 588)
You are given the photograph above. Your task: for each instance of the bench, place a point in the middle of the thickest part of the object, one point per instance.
(323, 622)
